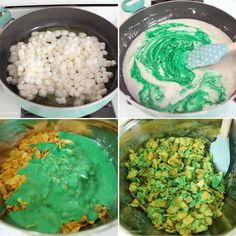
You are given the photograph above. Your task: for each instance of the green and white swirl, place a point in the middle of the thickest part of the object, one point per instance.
(156, 73)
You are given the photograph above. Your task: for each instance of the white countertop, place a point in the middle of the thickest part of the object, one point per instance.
(8, 3)
(228, 6)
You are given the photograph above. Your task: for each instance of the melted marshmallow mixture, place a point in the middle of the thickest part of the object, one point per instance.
(156, 74)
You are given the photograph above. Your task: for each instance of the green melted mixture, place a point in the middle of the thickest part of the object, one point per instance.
(173, 181)
(163, 53)
(65, 185)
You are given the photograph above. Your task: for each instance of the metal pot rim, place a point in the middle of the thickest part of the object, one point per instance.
(35, 233)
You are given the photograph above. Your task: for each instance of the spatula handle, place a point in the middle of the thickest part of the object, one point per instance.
(225, 127)
(232, 47)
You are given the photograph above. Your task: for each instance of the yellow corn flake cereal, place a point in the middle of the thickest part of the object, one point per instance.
(102, 211)
(19, 157)
(75, 226)
(22, 205)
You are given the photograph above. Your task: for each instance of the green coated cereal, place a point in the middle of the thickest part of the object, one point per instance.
(173, 180)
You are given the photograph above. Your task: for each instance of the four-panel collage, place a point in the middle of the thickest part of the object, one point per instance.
(117, 117)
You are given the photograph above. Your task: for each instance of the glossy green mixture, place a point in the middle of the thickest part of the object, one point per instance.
(65, 185)
(163, 53)
(173, 181)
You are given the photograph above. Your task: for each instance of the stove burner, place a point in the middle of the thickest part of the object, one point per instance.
(106, 111)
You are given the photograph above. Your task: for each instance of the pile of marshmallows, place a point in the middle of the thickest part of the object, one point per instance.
(60, 63)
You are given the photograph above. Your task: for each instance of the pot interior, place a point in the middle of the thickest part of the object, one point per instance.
(70, 19)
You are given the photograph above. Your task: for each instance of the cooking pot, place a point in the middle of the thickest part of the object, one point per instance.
(104, 132)
(135, 133)
(64, 17)
(158, 13)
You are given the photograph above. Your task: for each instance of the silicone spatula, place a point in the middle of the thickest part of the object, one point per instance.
(132, 6)
(209, 54)
(220, 147)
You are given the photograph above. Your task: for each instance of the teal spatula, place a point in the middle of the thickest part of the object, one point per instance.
(209, 54)
(220, 148)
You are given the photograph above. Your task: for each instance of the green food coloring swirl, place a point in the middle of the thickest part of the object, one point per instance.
(163, 54)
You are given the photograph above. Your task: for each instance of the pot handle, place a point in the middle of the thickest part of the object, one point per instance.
(5, 17)
(128, 6)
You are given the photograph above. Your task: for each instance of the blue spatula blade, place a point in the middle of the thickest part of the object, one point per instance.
(221, 154)
(206, 55)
